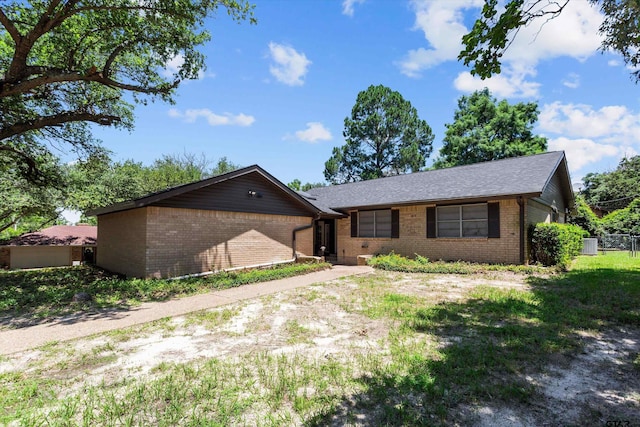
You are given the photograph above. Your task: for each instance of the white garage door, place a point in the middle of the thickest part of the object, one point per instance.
(40, 256)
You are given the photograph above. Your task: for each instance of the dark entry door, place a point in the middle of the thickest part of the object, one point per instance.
(325, 237)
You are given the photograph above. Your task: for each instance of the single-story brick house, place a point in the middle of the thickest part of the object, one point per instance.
(56, 246)
(478, 212)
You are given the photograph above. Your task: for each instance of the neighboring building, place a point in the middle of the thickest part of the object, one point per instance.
(57, 246)
(478, 212)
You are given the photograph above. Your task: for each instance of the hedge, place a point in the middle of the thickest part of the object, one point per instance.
(556, 244)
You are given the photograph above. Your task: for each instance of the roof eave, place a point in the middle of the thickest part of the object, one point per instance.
(475, 199)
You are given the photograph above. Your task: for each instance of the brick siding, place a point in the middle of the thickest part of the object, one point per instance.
(122, 242)
(169, 242)
(187, 241)
(413, 240)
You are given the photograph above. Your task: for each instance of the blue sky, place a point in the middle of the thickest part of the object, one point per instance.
(276, 93)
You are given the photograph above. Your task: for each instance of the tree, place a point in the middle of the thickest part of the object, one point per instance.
(223, 166)
(99, 181)
(297, 185)
(624, 221)
(384, 136)
(582, 216)
(613, 190)
(25, 202)
(493, 32)
(484, 129)
(66, 64)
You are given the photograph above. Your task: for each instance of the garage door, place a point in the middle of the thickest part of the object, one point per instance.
(40, 256)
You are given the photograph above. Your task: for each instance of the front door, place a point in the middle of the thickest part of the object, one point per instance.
(325, 242)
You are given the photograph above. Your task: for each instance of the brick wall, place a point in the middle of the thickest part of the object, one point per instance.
(413, 240)
(122, 240)
(187, 241)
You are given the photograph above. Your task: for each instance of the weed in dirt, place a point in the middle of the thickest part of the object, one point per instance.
(211, 318)
(478, 350)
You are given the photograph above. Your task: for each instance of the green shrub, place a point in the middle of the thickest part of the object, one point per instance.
(420, 264)
(556, 244)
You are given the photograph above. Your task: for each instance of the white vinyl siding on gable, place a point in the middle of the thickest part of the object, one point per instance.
(462, 221)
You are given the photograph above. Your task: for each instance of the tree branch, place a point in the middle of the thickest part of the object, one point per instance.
(10, 27)
(55, 120)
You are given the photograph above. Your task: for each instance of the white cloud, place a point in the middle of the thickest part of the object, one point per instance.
(590, 135)
(225, 119)
(573, 33)
(347, 6)
(443, 27)
(289, 66)
(314, 132)
(505, 85)
(614, 63)
(572, 81)
(612, 123)
(582, 152)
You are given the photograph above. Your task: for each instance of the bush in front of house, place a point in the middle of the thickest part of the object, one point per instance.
(421, 264)
(556, 244)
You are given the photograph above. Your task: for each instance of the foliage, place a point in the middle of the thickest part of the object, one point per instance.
(624, 221)
(65, 64)
(25, 203)
(556, 244)
(384, 136)
(297, 185)
(616, 189)
(484, 129)
(46, 292)
(420, 264)
(499, 24)
(582, 216)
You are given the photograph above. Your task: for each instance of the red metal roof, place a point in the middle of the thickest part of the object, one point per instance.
(59, 235)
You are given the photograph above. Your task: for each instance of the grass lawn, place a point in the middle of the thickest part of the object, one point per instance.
(48, 292)
(433, 354)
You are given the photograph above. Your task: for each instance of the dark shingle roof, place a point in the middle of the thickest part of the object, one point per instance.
(515, 176)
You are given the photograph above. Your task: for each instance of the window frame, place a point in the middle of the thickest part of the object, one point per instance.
(392, 224)
(460, 221)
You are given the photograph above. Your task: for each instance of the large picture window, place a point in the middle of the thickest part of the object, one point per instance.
(375, 223)
(473, 220)
(463, 221)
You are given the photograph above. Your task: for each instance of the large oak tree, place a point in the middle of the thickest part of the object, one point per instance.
(384, 136)
(66, 64)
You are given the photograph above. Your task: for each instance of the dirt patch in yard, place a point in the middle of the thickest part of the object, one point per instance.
(330, 321)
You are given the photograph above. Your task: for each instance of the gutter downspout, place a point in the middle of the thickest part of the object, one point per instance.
(301, 228)
(522, 228)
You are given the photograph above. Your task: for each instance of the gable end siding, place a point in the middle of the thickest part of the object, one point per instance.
(233, 195)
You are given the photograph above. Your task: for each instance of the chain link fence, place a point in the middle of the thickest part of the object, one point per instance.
(620, 242)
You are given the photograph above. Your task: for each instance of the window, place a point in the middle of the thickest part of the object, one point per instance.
(477, 220)
(377, 223)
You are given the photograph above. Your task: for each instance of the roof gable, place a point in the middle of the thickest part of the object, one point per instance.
(225, 192)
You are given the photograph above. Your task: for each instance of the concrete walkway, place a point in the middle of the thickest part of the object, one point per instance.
(82, 325)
